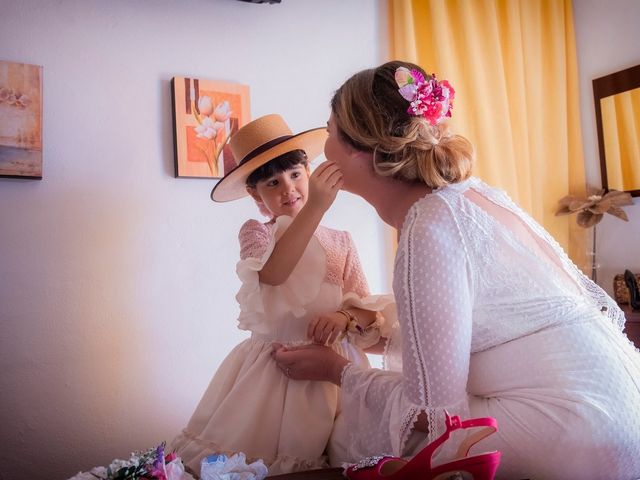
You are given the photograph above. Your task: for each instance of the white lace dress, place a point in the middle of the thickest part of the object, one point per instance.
(250, 406)
(490, 326)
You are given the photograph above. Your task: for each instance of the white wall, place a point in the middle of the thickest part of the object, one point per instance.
(607, 41)
(117, 279)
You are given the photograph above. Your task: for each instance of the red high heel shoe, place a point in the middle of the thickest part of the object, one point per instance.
(476, 467)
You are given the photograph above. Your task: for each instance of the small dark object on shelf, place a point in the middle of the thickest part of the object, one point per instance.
(634, 292)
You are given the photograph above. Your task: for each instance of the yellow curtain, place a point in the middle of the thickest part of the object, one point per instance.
(621, 127)
(513, 66)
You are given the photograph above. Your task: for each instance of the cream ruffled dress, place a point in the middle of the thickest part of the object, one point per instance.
(250, 406)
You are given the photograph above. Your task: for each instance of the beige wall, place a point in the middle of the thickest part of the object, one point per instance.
(607, 39)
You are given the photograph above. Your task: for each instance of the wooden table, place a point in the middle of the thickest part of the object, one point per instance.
(632, 326)
(322, 474)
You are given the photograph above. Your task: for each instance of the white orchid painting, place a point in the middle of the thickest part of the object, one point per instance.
(206, 113)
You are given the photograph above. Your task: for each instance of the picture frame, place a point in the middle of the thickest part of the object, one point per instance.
(20, 120)
(205, 114)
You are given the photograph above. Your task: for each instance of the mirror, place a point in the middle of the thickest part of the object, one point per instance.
(617, 102)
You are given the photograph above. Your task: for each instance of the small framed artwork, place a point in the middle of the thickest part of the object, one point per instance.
(205, 115)
(20, 120)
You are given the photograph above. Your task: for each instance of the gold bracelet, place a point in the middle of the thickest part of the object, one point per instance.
(352, 322)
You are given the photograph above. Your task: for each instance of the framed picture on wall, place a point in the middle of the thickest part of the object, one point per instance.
(20, 120)
(205, 114)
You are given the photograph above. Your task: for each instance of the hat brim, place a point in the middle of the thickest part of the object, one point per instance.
(233, 185)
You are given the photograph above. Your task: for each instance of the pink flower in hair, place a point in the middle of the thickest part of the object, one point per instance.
(428, 98)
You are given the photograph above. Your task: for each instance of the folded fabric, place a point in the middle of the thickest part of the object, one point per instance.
(384, 324)
(232, 468)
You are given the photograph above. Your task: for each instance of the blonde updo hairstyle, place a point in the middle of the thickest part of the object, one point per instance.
(371, 116)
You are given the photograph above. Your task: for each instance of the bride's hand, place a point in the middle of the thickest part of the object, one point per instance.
(309, 362)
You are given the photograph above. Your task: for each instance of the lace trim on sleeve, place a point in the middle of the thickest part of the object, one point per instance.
(412, 327)
(392, 356)
(254, 239)
(415, 329)
(406, 427)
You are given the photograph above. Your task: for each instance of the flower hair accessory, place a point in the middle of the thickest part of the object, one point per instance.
(429, 98)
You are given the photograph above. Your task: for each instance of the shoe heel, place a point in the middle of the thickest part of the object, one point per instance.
(482, 467)
(467, 474)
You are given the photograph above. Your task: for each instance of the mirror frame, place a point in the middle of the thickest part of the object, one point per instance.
(606, 86)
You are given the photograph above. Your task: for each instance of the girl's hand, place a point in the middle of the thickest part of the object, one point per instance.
(324, 183)
(309, 362)
(326, 328)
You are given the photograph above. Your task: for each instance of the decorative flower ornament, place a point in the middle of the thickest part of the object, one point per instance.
(592, 209)
(150, 464)
(211, 120)
(429, 98)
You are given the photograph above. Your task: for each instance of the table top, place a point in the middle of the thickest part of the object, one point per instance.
(321, 474)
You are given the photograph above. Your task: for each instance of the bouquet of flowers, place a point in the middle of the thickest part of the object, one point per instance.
(151, 464)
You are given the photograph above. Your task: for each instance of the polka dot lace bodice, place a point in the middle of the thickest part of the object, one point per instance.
(466, 284)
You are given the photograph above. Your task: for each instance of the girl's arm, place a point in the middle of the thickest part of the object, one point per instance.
(324, 184)
(328, 327)
(331, 326)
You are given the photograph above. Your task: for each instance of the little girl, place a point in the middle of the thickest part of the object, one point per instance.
(301, 283)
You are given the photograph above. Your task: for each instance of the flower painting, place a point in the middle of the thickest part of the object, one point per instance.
(20, 120)
(205, 114)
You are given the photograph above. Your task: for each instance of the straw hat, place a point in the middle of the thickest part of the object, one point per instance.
(258, 142)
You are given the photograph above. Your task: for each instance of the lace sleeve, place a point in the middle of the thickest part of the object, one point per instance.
(254, 238)
(354, 278)
(434, 292)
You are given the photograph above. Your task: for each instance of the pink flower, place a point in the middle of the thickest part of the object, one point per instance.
(452, 93)
(417, 76)
(408, 92)
(403, 76)
(430, 99)
(171, 457)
